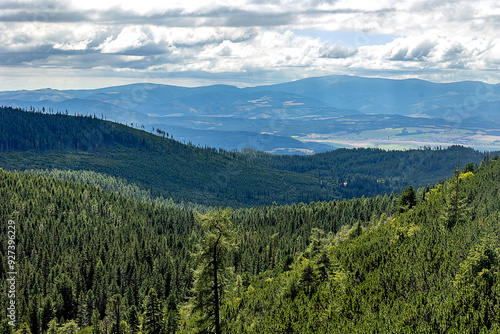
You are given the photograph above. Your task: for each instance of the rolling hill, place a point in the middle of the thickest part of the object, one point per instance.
(168, 168)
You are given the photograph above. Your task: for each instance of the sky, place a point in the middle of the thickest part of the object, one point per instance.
(98, 43)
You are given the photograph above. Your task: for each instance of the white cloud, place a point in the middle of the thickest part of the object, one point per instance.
(129, 38)
(438, 39)
(336, 51)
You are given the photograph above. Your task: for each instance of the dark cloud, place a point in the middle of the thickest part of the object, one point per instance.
(421, 51)
(44, 55)
(90, 60)
(20, 58)
(39, 11)
(400, 54)
(222, 16)
(252, 19)
(35, 53)
(49, 17)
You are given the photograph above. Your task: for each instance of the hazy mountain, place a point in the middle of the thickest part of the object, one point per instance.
(309, 115)
(386, 96)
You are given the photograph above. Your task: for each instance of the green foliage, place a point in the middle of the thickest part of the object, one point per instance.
(407, 200)
(152, 318)
(455, 209)
(369, 171)
(211, 275)
(479, 261)
(115, 313)
(5, 328)
(24, 329)
(69, 327)
(133, 319)
(160, 167)
(96, 322)
(403, 274)
(317, 267)
(171, 315)
(80, 245)
(53, 327)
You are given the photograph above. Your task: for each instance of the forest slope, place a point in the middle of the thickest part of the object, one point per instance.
(78, 246)
(165, 167)
(432, 268)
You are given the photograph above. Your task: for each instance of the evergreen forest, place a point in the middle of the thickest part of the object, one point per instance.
(164, 167)
(118, 231)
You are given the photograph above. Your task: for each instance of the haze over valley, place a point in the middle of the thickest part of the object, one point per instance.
(300, 117)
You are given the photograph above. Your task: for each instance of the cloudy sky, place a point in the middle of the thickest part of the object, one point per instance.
(97, 43)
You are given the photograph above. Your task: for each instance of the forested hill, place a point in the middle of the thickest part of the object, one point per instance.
(411, 167)
(84, 254)
(88, 260)
(31, 140)
(434, 267)
(165, 167)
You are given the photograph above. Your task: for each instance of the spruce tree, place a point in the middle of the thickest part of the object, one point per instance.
(133, 319)
(407, 200)
(455, 209)
(210, 276)
(5, 328)
(152, 320)
(171, 315)
(96, 322)
(24, 329)
(115, 313)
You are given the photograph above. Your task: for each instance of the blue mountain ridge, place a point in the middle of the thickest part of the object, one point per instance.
(231, 117)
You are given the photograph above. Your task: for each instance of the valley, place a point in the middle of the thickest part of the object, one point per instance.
(300, 117)
(249, 167)
(409, 138)
(381, 223)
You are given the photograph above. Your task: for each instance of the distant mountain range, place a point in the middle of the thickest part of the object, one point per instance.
(304, 116)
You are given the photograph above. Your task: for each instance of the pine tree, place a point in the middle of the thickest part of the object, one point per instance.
(24, 329)
(69, 327)
(455, 209)
(210, 276)
(81, 318)
(90, 304)
(53, 327)
(152, 320)
(171, 315)
(115, 312)
(5, 328)
(133, 319)
(47, 312)
(96, 322)
(407, 200)
(34, 314)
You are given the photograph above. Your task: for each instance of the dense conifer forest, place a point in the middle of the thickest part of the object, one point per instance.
(78, 245)
(431, 267)
(167, 168)
(97, 251)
